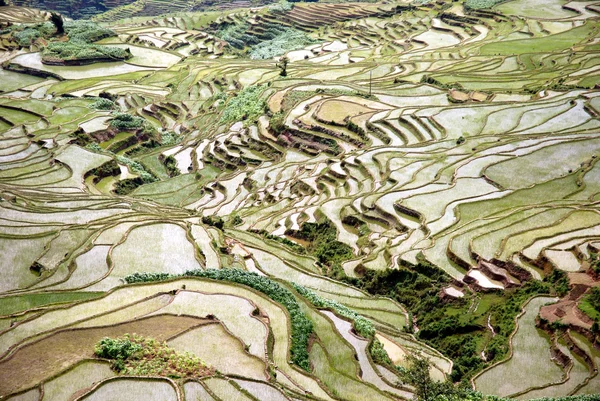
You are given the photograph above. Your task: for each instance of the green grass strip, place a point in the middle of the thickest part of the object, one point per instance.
(20, 303)
(363, 326)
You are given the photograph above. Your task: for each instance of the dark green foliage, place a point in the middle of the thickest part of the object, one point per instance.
(282, 65)
(120, 348)
(594, 298)
(76, 51)
(481, 4)
(86, 31)
(143, 148)
(248, 105)
(378, 353)
(81, 138)
(236, 36)
(323, 242)
(282, 240)
(79, 48)
(124, 121)
(108, 169)
(27, 34)
(171, 165)
(125, 187)
(361, 325)
(595, 262)
(139, 356)
(277, 122)
(58, 22)
(559, 282)
(302, 327)
(236, 220)
(214, 221)
(103, 104)
(448, 326)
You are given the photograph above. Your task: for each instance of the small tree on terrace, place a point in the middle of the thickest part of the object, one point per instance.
(282, 64)
(58, 22)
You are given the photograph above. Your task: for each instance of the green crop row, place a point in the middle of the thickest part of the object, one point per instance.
(361, 325)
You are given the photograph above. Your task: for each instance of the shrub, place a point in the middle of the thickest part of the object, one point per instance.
(169, 138)
(594, 298)
(140, 356)
(323, 242)
(124, 121)
(481, 4)
(119, 348)
(137, 168)
(215, 221)
(281, 6)
(378, 353)
(277, 122)
(361, 325)
(288, 40)
(103, 104)
(74, 51)
(247, 105)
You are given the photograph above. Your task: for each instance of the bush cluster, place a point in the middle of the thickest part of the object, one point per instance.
(287, 40)
(124, 121)
(171, 165)
(71, 51)
(302, 327)
(236, 36)
(323, 242)
(168, 138)
(215, 221)
(137, 168)
(139, 356)
(248, 105)
(103, 104)
(481, 4)
(281, 6)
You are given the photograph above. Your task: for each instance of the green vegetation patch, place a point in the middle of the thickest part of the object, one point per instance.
(141, 356)
(70, 51)
(78, 49)
(248, 105)
(288, 40)
(20, 303)
(481, 4)
(302, 327)
(361, 325)
(102, 104)
(590, 304)
(547, 44)
(124, 121)
(323, 242)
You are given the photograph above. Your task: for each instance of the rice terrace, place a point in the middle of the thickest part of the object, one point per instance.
(329, 200)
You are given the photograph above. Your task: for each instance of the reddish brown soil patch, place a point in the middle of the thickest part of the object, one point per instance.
(567, 312)
(582, 278)
(33, 363)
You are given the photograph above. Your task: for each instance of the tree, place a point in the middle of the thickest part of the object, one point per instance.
(282, 64)
(3, 3)
(58, 22)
